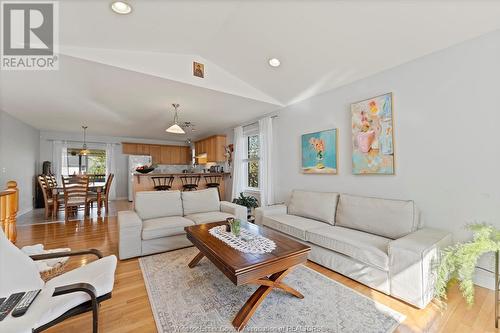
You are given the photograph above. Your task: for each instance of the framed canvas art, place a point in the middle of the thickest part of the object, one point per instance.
(372, 136)
(319, 152)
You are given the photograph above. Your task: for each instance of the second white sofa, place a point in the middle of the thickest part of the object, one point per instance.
(158, 221)
(378, 242)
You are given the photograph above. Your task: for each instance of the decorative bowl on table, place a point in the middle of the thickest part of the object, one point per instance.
(144, 170)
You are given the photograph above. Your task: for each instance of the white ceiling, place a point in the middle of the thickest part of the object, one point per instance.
(119, 74)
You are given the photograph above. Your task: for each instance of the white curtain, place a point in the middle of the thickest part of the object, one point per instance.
(238, 156)
(59, 162)
(266, 162)
(111, 168)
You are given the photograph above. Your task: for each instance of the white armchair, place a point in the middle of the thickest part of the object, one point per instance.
(64, 296)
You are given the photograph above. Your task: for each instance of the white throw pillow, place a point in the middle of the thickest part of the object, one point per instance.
(154, 204)
(200, 201)
(320, 206)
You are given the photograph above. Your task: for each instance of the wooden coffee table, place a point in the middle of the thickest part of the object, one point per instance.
(266, 270)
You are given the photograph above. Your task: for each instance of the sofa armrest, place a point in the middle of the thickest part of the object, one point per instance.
(269, 210)
(239, 212)
(129, 234)
(412, 265)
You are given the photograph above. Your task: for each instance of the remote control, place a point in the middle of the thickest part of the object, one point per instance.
(2, 299)
(25, 303)
(9, 304)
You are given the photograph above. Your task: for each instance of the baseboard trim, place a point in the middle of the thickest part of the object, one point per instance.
(484, 278)
(27, 210)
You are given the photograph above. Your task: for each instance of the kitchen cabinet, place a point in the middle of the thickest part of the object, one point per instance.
(160, 154)
(143, 149)
(213, 147)
(155, 152)
(129, 148)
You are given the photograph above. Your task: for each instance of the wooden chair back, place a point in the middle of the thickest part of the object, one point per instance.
(46, 189)
(51, 181)
(75, 192)
(163, 183)
(107, 187)
(213, 180)
(190, 183)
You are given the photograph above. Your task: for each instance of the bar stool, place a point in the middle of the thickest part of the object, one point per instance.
(213, 181)
(163, 183)
(190, 183)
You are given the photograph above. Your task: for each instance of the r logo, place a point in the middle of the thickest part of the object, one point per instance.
(28, 29)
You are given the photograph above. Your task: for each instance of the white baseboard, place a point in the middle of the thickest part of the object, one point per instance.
(27, 210)
(484, 278)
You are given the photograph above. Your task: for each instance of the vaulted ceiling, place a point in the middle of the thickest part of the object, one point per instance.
(119, 74)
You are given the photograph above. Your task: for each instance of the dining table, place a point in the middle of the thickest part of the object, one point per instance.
(97, 187)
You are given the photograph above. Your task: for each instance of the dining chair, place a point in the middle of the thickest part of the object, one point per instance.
(57, 197)
(163, 183)
(190, 183)
(104, 194)
(76, 195)
(47, 196)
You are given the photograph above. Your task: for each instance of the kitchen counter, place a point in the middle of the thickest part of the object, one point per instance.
(143, 182)
(153, 174)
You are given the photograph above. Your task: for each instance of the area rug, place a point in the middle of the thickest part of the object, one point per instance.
(203, 299)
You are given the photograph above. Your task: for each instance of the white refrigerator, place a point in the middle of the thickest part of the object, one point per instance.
(135, 161)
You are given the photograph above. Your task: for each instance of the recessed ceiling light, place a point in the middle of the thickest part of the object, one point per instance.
(121, 7)
(274, 62)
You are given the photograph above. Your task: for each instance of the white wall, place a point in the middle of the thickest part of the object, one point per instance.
(46, 145)
(19, 150)
(446, 111)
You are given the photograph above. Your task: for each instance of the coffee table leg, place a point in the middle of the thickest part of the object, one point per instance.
(266, 286)
(196, 260)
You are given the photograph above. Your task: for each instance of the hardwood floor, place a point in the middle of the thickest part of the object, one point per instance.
(129, 309)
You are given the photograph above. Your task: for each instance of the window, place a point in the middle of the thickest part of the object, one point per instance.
(251, 161)
(92, 164)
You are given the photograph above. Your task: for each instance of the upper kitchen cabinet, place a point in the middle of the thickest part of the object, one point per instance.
(211, 149)
(129, 148)
(160, 154)
(155, 152)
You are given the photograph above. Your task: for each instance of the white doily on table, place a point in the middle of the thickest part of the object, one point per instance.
(247, 242)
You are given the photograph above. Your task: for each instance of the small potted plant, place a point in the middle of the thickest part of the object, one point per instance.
(250, 202)
(458, 262)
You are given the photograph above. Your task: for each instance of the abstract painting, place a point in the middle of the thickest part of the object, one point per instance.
(319, 152)
(372, 136)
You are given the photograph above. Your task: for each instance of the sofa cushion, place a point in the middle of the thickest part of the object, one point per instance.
(319, 206)
(292, 225)
(367, 248)
(164, 227)
(383, 217)
(202, 218)
(200, 201)
(153, 204)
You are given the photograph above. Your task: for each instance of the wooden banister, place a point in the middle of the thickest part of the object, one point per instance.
(9, 205)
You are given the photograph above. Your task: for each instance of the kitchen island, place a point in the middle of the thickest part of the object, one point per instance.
(143, 182)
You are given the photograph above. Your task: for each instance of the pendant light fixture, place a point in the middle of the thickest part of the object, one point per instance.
(84, 150)
(175, 128)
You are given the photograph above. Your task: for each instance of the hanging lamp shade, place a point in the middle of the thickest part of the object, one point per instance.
(175, 128)
(84, 151)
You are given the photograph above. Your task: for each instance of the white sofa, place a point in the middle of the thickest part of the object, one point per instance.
(378, 242)
(158, 222)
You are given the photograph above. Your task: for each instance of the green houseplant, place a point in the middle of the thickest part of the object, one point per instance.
(248, 201)
(458, 261)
